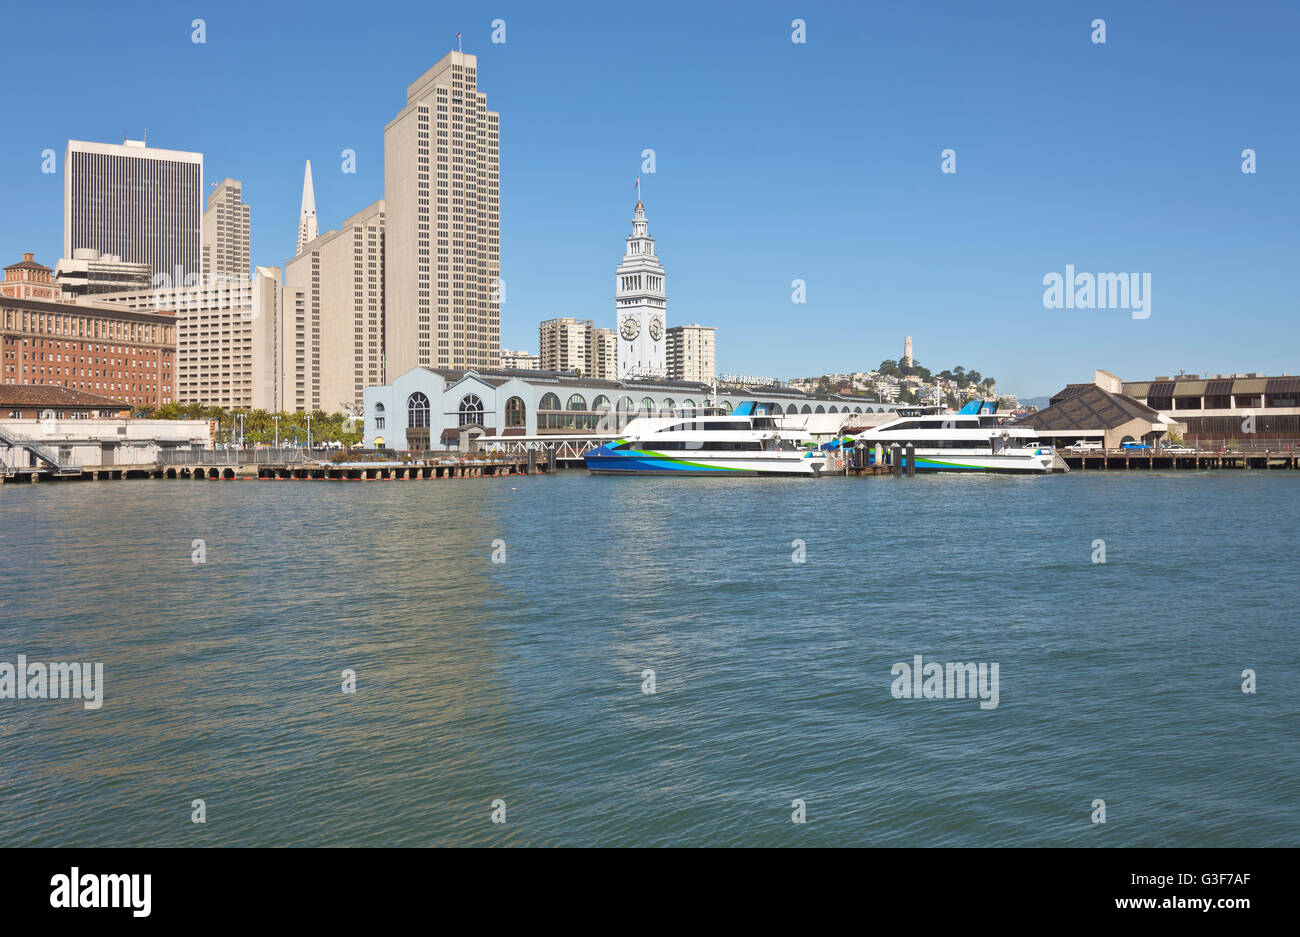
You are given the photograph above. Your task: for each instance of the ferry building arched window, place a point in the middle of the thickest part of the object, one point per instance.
(471, 410)
(688, 404)
(647, 405)
(516, 412)
(379, 416)
(776, 410)
(600, 404)
(576, 402)
(806, 409)
(726, 406)
(833, 410)
(668, 405)
(549, 402)
(820, 409)
(417, 410)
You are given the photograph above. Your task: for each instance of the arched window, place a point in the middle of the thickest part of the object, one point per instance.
(379, 409)
(806, 409)
(833, 410)
(647, 405)
(857, 409)
(625, 405)
(417, 410)
(668, 405)
(549, 402)
(516, 412)
(688, 404)
(471, 410)
(726, 406)
(576, 402)
(600, 404)
(820, 409)
(776, 409)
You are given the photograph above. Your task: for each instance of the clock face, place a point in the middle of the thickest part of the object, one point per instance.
(631, 328)
(656, 329)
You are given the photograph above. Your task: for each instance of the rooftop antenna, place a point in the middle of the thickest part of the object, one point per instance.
(460, 48)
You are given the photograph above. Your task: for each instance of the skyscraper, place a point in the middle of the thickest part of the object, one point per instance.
(137, 202)
(225, 232)
(341, 275)
(641, 305)
(307, 229)
(691, 355)
(443, 225)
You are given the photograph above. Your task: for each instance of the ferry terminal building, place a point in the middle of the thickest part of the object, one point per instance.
(433, 408)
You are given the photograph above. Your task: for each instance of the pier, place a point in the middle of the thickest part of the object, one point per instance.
(292, 465)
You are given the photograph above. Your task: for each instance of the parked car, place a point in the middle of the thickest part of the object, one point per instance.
(1178, 448)
(1135, 447)
(1084, 446)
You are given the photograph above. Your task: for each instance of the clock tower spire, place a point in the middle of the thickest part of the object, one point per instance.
(641, 304)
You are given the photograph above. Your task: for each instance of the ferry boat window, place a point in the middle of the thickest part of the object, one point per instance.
(516, 413)
(576, 402)
(417, 410)
(549, 402)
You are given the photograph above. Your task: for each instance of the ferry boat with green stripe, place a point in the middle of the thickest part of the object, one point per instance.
(975, 439)
(749, 441)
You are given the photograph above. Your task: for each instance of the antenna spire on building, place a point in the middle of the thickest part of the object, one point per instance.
(307, 229)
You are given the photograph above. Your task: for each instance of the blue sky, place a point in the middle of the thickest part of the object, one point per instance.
(774, 161)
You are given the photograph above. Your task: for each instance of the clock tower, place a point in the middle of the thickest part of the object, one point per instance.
(641, 305)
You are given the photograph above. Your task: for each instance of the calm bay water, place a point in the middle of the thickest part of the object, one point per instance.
(523, 680)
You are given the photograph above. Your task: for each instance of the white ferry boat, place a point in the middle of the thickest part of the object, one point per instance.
(975, 439)
(748, 441)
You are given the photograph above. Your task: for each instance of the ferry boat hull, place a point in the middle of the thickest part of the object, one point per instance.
(605, 460)
(1032, 463)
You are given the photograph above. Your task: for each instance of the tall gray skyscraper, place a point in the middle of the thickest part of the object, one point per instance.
(225, 231)
(141, 203)
(442, 242)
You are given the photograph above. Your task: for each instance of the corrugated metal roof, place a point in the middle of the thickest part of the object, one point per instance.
(1282, 385)
(1189, 388)
(1251, 385)
(1218, 388)
(1137, 390)
(1160, 389)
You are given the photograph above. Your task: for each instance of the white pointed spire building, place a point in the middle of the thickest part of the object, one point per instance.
(307, 230)
(641, 305)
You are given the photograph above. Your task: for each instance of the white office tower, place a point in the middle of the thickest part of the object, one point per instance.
(641, 305)
(307, 229)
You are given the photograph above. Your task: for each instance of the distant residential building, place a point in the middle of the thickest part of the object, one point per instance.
(97, 348)
(226, 231)
(641, 305)
(28, 279)
(342, 275)
(564, 344)
(229, 334)
(140, 203)
(691, 353)
(443, 243)
(602, 356)
(520, 360)
(89, 272)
